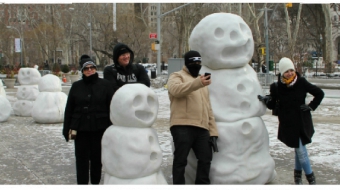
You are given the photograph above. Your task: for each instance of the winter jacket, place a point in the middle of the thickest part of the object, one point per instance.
(189, 102)
(293, 122)
(118, 75)
(88, 106)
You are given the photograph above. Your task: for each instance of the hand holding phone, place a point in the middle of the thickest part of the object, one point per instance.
(207, 74)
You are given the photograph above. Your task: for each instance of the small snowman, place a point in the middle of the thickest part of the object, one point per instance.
(49, 106)
(5, 105)
(27, 91)
(226, 49)
(131, 153)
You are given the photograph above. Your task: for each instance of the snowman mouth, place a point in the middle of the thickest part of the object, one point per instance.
(144, 115)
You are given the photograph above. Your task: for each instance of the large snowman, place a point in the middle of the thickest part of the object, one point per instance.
(226, 45)
(131, 153)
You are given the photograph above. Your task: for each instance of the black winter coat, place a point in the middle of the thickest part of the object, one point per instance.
(293, 122)
(88, 106)
(118, 75)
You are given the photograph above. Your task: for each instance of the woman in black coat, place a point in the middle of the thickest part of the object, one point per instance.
(295, 120)
(87, 115)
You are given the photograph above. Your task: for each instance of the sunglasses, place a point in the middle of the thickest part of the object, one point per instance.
(88, 68)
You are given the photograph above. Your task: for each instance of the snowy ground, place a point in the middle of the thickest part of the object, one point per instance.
(32, 153)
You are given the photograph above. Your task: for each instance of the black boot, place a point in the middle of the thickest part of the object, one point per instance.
(297, 177)
(311, 179)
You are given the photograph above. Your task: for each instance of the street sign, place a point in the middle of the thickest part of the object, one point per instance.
(153, 35)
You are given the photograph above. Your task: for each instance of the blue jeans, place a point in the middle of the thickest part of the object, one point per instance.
(187, 138)
(301, 159)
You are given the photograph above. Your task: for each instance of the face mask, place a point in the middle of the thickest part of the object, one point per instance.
(194, 69)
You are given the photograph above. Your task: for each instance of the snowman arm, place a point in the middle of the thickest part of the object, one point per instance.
(178, 87)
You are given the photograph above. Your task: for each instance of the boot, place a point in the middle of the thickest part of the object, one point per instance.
(297, 177)
(311, 179)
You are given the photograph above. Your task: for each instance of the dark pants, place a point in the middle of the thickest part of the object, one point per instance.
(88, 156)
(185, 138)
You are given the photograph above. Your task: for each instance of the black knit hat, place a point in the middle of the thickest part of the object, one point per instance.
(85, 60)
(191, 57)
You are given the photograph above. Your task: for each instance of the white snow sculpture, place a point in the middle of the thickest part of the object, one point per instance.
(23, 108)
(28, 76)
(27, 91)
(5, 107)
(143, 109)
(226, 48)
(2, 90)
(131, 153)
(49, 106)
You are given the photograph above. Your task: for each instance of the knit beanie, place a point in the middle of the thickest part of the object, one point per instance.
(191, 57)
(85, 60)
(122, 51)
(285, 64)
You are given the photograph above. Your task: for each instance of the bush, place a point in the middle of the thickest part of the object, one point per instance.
(56, 69)
(65, 68)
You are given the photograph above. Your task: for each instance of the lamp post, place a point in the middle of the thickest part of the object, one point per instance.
(11, 27)
(90, 25)
(159, 16)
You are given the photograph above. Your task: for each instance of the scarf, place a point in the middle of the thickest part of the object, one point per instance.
(90, 78)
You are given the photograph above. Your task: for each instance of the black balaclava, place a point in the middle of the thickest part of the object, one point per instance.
(192, 57)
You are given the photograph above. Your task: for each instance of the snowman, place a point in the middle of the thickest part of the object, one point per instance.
(2, 90)
(49, 106)
(5, 105)
(27, 91)
(131, 153)
(226, 45)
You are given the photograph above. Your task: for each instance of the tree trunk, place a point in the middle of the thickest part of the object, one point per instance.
(327, 46)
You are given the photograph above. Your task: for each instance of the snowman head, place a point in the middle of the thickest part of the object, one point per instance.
(50, 83)
(224, 40)
(134, 105)
(28, 76)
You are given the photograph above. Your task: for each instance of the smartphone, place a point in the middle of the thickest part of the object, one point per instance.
(207, 74)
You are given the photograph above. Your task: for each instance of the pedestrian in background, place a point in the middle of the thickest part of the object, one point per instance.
(296, 129)
(123, 71)
(87, 115)
(192, 123)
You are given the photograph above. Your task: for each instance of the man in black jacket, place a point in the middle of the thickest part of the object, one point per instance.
(123, 71)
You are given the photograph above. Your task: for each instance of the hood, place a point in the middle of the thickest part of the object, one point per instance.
(115, 50)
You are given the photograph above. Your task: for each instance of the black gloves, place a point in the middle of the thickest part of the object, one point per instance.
(264, 99)
(213, 144)
(305, 107)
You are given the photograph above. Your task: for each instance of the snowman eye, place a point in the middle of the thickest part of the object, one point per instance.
(219, 33)
(137, 101)
(151, 101)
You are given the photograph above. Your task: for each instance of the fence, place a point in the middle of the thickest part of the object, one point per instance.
(266, 79)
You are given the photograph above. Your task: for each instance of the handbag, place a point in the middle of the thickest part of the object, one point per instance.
(275, 111)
